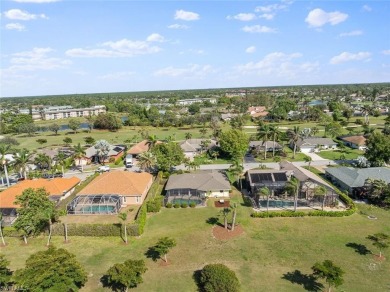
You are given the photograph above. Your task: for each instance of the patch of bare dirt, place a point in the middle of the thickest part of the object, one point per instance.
(224, 204)
(219, 232)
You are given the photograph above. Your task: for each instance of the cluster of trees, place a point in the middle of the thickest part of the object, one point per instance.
(378, 149)
(377, 191)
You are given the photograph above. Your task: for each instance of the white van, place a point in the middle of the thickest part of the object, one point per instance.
(129, 161)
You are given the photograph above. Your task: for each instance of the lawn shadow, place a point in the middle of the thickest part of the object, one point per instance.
(196, 276)
(214, 221)
(106, 284)
(151, 253)
(309, 282)
(359, 248)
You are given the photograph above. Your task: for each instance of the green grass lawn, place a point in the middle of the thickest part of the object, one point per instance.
(336, 154)
(262, 257)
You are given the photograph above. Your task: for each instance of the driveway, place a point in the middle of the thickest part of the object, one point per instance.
(315, 157)
(248, 158)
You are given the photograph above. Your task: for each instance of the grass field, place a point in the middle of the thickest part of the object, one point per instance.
(264, 258)
(336, 154)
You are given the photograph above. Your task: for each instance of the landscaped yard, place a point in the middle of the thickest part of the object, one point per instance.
(271, 255)
(337, 154)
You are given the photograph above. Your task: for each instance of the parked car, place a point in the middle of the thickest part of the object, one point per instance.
(103, 168)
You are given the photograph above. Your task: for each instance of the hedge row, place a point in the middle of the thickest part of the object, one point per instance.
(141, 219)
(343, 197)
(79, 229)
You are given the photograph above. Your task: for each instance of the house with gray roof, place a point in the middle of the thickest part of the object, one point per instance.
(269, 145)
(193, 147)
(91, 155)
(352, 179)
(314, 144)
(197, 186)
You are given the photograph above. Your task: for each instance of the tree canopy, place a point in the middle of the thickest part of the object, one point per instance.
(5, 272)
(217, 278)
(234, 143)
(332, 274)
(51, 270)
(378, 149)
(126, 275)
(168, 155)
(164, 245)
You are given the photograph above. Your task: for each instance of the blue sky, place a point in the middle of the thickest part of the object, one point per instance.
(64, 47)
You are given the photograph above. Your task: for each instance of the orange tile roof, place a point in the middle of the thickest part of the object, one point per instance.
(118, 183)
(55, 187)
(140, 147)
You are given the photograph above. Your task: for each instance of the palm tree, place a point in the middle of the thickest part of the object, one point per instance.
(294, 136)
(314, 131)
(264, 191)
(22, 159)
(5, 149)
(236, 170)
(264, 133)
(192, 164)
(188, 135)
(275, 132)
(225, 213)
(308, 160)
(320, 191)
(366, 109)
(234, 208)
(43, 161)
(151, 141)
(292, 188)
(60, 159)
(146, 161)
(78, 154)
(1, 228)
(102, 149)
(123, 217)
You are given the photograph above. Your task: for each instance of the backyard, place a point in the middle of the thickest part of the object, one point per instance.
(271, 255)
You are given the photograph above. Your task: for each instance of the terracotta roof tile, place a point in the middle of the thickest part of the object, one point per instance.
(118, 183)
(55, 187)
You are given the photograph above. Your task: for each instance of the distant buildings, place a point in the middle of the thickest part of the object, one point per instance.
(196, 100)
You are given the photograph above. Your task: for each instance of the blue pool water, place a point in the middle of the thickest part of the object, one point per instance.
(276, 204)
(98, 209)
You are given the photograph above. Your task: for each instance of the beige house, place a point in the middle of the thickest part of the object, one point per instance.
(131, 187)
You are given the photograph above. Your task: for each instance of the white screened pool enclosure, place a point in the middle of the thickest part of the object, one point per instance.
(95, 204)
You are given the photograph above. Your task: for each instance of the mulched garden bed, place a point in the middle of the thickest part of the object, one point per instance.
(225, 204)
(219, 232)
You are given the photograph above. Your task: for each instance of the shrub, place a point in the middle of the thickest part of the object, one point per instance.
(141, 219)
(98, 230)
(218, 277)
(168, 205)
(192, 205)
(154, 206)
(176, 205)
(41, 141)
(9, 141)
(184, 205)
(111, 160)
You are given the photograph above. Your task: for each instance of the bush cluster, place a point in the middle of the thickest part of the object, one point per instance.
(141, 219)
(176, 205)
(278, 214)
(154, 206)
(168, 205)
(218, 277)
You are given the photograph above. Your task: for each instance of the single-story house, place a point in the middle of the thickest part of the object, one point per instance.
(355, 142)
(197, 186)
(193, 147)
(91, 155)
(228, 116)
(58, 189)
(314, 144)
(257, 111)
(131, 187)
(140, 147)
(269, 145)
(352, 179)
(274, 180)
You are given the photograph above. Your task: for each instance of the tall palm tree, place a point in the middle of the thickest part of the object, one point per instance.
(146, 161)
(320, 191)
(234, 208)
(78, 154)
(22, 159)
(60, 159)
(225, 213)
(123, 217)
(275, 132)
(151, 141)
(187, 135)
(294, 136)
(292, 188)
(236, 170)
(366, 109)
(5, 149)
(314, 131)
(43, 161)
(263, 133)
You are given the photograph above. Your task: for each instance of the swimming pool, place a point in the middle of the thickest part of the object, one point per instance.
(97, 209)
(276, 204)
(186, 201)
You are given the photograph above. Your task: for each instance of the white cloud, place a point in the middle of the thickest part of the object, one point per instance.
(279, 64)
(117, 76)
(267, 16)
(155, 37)
(18, 14)
(386, 52)
(243, 16)
(270, 8)
(121, 48)
(351, 33)
(346, 56)
(178, 26)
(189, 71)
(258, 29)
(318, 17)
(186, 15)
(37, 59)
(367, 8)
(250, 49)
(36, 1)
(15, 26)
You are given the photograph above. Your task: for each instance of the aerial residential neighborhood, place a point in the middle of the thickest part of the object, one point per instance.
(215, 146)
